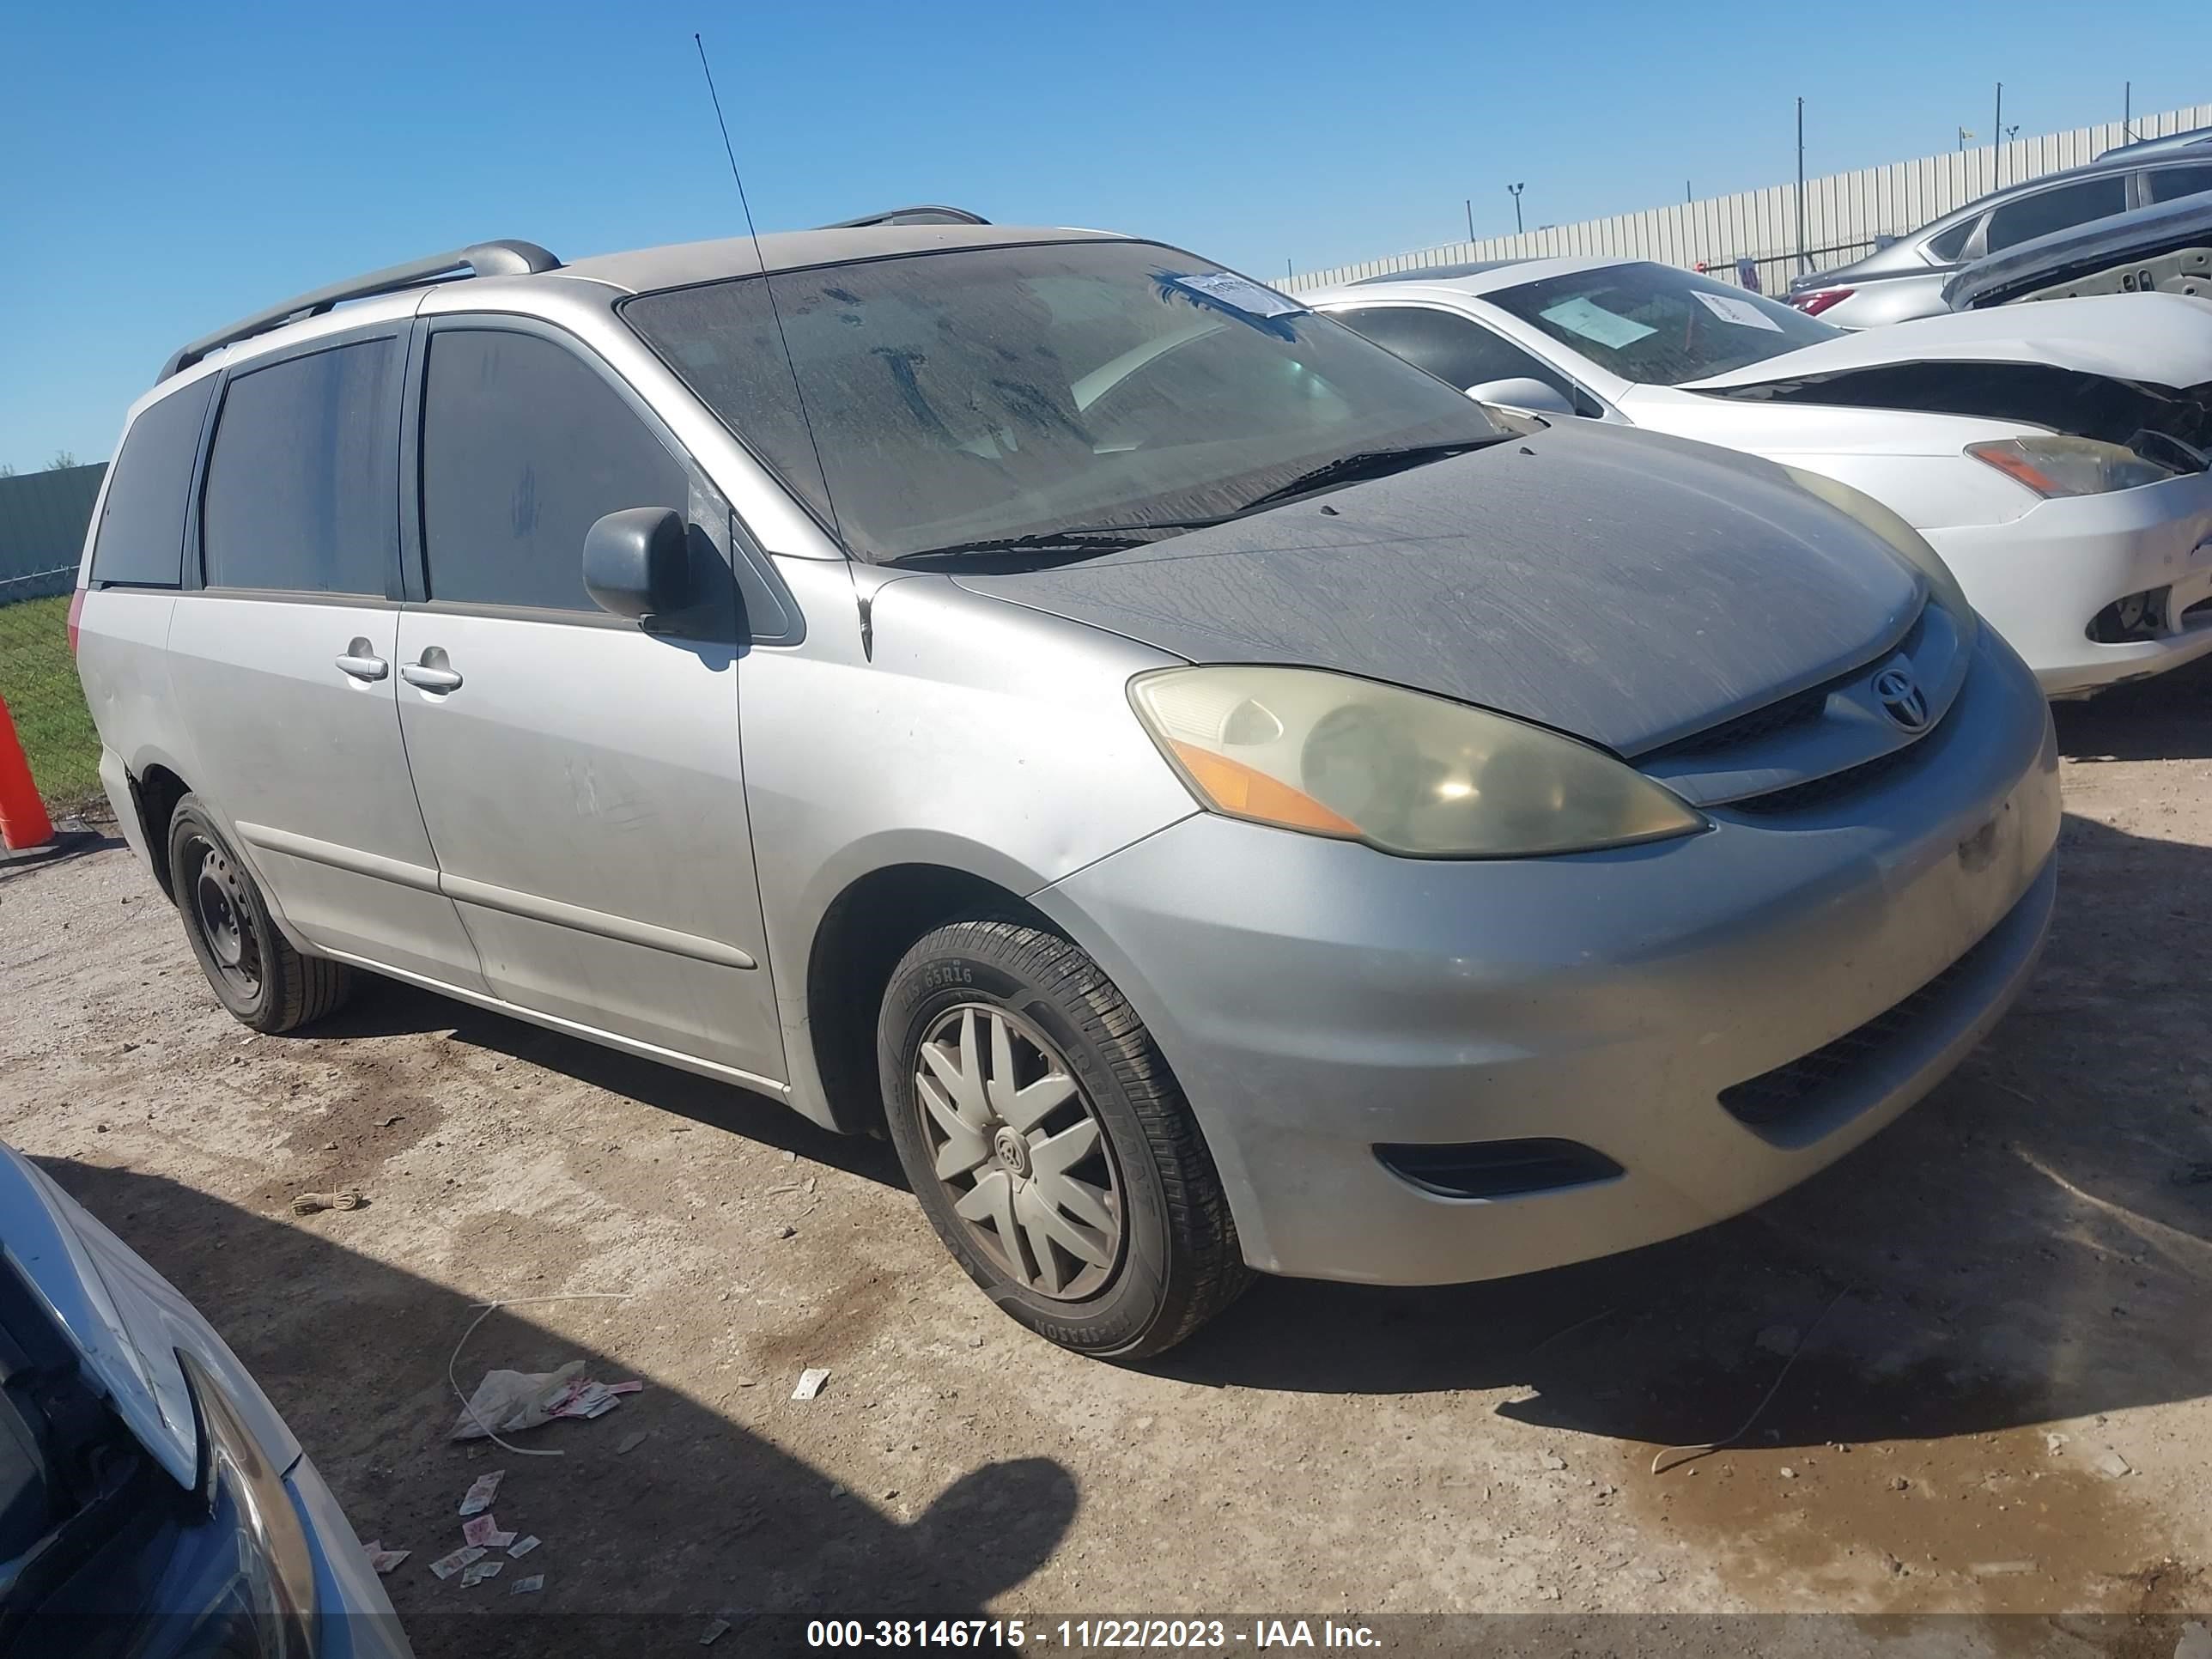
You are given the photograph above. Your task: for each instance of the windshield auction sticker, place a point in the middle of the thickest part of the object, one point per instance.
(1239, 293)
(1594, 322)
(1742, 313)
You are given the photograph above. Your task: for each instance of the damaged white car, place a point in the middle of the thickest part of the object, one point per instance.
(2055, 455)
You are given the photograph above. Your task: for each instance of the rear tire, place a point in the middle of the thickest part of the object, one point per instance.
(1049, 1142)
(255, 973)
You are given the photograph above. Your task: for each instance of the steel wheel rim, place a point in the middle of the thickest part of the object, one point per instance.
(219, 901)
(1020, 1151)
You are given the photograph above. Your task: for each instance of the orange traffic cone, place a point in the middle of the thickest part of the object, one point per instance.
(23, 820)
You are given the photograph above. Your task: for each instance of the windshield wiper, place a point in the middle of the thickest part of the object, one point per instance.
(1365, 464)
(1080, 539)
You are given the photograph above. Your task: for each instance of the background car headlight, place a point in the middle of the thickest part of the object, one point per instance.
(1333, 755)
(238, 1481)
(2055, 464)
(1909, 543)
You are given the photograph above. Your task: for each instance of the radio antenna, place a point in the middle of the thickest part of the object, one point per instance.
(790, 363)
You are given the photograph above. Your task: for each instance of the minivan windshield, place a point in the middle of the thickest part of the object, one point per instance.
(991, 394)
(1658, 325)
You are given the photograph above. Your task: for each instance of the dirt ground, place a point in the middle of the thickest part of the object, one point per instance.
(2006, 1296)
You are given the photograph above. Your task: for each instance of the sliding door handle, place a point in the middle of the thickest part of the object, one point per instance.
(429, 676)
(362, 661)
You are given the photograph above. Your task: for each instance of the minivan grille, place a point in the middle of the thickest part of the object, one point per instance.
(1823, 791)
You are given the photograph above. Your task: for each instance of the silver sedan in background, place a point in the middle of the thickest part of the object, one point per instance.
(1221, 799)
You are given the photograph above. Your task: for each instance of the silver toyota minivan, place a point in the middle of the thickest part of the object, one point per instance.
(1219, 799)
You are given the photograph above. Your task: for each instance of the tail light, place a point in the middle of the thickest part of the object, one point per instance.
(76, 610)
(1820, 298)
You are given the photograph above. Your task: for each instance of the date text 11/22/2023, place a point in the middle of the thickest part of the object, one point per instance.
(1090, 1635)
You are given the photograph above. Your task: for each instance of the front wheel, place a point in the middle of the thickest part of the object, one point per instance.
(259, 977)
(1049, 1144)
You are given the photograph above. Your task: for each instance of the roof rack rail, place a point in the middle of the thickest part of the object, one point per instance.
(505, 258)
(912, 216)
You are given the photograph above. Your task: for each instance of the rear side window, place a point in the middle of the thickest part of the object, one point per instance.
(2060, 209)
(141, 529)
(1952, 242)
(1454, 349)
(523, 448)
(2164, 184)
(302, 488)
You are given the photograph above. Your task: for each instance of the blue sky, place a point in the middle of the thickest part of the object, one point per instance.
(174, 168)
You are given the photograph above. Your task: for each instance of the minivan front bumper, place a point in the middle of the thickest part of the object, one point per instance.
(1824, 967)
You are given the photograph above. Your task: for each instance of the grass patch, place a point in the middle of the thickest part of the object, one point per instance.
(38, 678)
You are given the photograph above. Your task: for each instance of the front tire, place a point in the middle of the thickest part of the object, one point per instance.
(1049, 1142)
(257, 974)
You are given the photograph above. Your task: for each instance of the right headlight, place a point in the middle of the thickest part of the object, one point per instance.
(2052, 464)
(1333, 755)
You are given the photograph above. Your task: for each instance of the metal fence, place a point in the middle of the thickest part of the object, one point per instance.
(43, 517)
(1844, 213)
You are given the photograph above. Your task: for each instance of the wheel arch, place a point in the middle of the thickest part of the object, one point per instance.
(872, 922)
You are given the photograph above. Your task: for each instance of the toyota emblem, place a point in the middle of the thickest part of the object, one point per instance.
(1902, 699)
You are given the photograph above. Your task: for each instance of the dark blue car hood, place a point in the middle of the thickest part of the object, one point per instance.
(1626, 587)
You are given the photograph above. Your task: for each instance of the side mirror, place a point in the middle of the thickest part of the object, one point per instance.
(1522, 391)
(637, 563)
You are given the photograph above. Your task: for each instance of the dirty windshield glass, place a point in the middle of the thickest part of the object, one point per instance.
(1011, 391)
(1659, 326)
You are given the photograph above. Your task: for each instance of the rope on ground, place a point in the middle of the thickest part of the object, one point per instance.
(1758, 1411)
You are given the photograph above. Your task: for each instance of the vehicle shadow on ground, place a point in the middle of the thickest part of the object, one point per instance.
(2168, 718)
(2032, 1241)
(387, 1007)
(704, 1516)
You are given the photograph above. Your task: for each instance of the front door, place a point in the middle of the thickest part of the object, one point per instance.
(579, 774)
(283, 662)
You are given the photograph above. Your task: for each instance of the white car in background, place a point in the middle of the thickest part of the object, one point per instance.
(2055, 454)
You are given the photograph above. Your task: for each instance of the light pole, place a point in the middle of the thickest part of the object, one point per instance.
(1514, 190)
(1470, 218)
(1803, 263)
(1996, 138)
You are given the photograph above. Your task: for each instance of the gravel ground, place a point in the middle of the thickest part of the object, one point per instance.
(2003, 1303)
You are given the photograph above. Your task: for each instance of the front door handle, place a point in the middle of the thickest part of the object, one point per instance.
(432, 673)
(362, 661)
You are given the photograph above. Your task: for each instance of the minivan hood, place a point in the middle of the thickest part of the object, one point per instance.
(2165, 339)
(1625, 586)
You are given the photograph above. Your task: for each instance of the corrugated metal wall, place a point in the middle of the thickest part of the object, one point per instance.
(1844, 212)
(43, 517)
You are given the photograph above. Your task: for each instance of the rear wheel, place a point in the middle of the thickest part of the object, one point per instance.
(1049, 1142)
(257, 974)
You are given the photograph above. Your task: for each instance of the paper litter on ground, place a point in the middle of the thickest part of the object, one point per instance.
(523, 1545)
(809, 1382)
(481, 1491)
(713, 1632)
(446, 1566)
(382, 1560)
(586, 1400)
(484, 1529)
(477, 1572)
(529, 1586)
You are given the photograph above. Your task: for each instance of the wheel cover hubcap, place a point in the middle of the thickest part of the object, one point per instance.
(1019, 1148)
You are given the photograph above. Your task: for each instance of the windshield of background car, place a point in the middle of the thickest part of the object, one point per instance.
(1658, 325)
(1014, 391)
